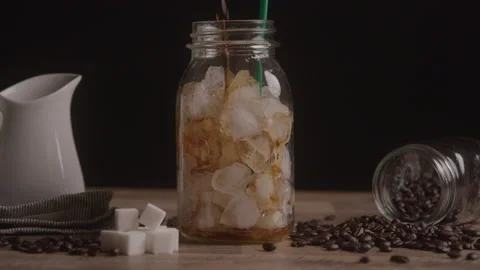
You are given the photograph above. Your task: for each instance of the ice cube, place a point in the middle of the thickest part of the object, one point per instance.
(286, 164)
(272, 220)
(263, 190)
(126, 219)
(284, 191)
(242, 212)
(229, 155)
(221, 199)
(202, 140)
(273, 84)
(199, 100)
(215, 78)
(209, 213)
(245, 94)
(131, 243)
(272, 106)
(280, 128)
(152, 216)
(242, 78)
(255, 152)
(231, 179)
(244, 122)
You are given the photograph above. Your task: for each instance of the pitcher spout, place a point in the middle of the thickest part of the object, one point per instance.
(41, 87)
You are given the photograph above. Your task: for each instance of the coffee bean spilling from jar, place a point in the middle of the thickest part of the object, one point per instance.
(361, 234)
(416, 200)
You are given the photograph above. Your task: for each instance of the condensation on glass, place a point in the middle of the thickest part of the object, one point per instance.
(432, 181)
(234, 136)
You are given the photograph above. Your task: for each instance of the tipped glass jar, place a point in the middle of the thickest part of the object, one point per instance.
(433, 182)
(234, 136)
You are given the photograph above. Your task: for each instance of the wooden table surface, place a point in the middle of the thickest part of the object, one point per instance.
(194, 256)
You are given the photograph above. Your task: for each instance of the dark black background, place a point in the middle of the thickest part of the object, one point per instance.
(367, 76)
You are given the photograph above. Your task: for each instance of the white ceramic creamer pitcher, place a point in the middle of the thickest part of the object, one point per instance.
(38, 158)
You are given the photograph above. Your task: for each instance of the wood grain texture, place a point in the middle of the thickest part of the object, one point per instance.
(202, 257)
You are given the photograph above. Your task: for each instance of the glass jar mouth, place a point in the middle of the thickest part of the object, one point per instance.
(237, 34)
(442, 167)
(218, 26)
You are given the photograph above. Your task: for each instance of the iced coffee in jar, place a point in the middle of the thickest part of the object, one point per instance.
(234, 136)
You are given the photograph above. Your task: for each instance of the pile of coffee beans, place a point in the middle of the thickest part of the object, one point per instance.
(79, 246)
(416, 200)
(73, 246)
(361, 234)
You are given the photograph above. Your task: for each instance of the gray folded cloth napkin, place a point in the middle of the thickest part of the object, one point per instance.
(81, 213)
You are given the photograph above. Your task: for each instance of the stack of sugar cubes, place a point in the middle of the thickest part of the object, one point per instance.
(130, 239)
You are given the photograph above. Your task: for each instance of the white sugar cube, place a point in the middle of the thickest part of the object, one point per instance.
(162, 241)
(131, 243)
(142, 229)
(152, 216)
(126, 219)
(176, 238)
(107, 238)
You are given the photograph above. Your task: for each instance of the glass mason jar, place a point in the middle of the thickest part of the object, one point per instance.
(433, 182)
(234, 136)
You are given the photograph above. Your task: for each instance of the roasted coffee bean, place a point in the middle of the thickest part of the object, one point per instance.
(472, 233)
(66, 246)
(93, 246)
(397, 242)
(77, 251)
(317, 242)
(348, 246)
(92, 252)
(325, 235)
(366, 238)
(363, 248)
(429, 246)
(364, 260)
(311, 233)
(14, 240)
(399, 259)
(471, 256)
(385, 249)
(28, 244)
(351, 239)
(34, 249)
(410, 237)
(330, 217)
(78, 243)
(468, 246)
(52, 249)
(454, 254)
(300, 243)
(442, 247)
(68, 238)
(332, 246)
(114, 252)
(269, 246)
(456, 246)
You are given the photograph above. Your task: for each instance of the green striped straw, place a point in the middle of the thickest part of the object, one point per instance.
(263, 16)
